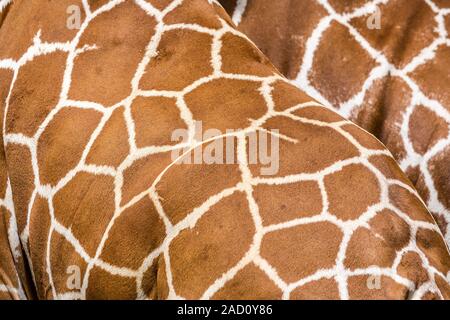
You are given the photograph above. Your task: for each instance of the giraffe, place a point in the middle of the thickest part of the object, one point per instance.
(391, 79)
(88, 180)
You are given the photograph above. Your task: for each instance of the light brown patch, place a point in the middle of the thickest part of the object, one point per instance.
(405, 30)
(155, 121)
(344, 202)
(38, 237)
(409, 204)
(63, 141)
(66, 265)
(135, 233)
(389, 168)
(280, 203)
(382, 110)
(316, 148)
(31, 101)
(300, 251)
(323, 289)
(169, 70)
(364, 138)
(432, 244)
(280, 29)
(21, 175)
(318, 113)
(250, 283)
(154, 281)
(226, 104)
(411, 267)
(105, 286)
(444, 286)
(433, 76)
(140, 176)
(86, 205)
(286, 96)
(121, 35)
(391, 228)
(111, 146)
(339, 74)
(439, 166)
(28, 17)
(186, 186)
(251, 60)
(425, 129)
(218, 241)
(194, 11)
(359, 288)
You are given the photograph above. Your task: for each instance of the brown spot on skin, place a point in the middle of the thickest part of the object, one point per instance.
(301, 251)
(85, 206)
(65, 267)
(316, 148)
(347, 6)
(411, 267)
(284, 39)
(286, 96)
(250, 283)
(432, 244)
(389, 168)
(159, 4)
(38, 237)
(409, 204)
(63, 141)
(8, 274)
(96, 4)
(168, 71)
(318, 113)
(111, 146)
(382, 110)
(393, 230)
(425, 129)
(360, 288)
(186, 186)
(5, 82)
(344, 202)
(430, 296)
(218, 241)
(154, 281)
(433, 76)
(440, 174)
(105, 286)
(121, 36)
(37, 98)
(404, 32)
(145, 232)
(339, 74)
(251, 60)
(194, 11)
(280, 203)
(226, 104)
(155, 121)
(323, 289)
(444, 286)
(366, 248)
(28, 17)
(21, 175)
(363, 137)
(140, 176)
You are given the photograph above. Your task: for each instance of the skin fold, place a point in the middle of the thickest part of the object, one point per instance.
(90, 188)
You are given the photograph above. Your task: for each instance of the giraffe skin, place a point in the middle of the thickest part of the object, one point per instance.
(88, 179)
(392, 81)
